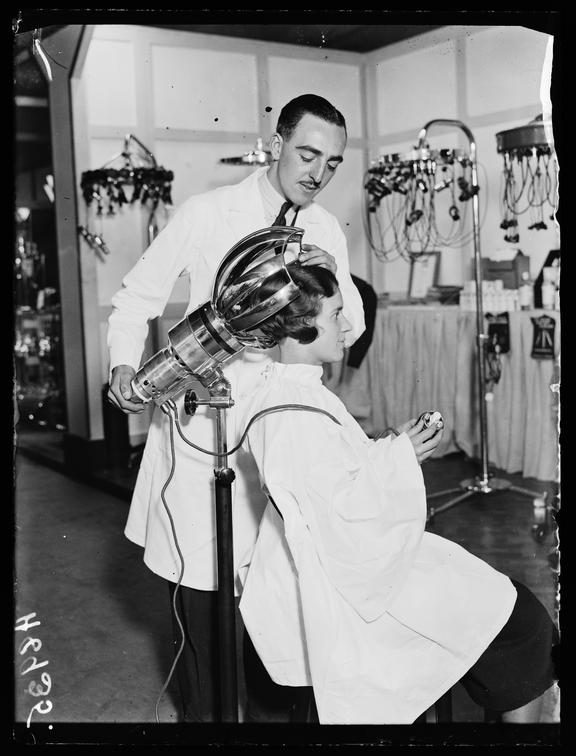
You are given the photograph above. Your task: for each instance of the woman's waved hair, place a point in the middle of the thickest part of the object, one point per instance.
(296, 320)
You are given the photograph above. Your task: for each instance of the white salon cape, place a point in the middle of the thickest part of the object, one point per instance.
(345, 591)
(202, 231)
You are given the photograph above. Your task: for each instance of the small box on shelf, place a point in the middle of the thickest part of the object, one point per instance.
(508, 271)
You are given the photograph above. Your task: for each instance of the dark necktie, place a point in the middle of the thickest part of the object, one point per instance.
(281, 217)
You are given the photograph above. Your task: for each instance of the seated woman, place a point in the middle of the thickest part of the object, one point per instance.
(345, 590)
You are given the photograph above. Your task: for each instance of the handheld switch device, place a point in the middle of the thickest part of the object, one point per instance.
(432, 417)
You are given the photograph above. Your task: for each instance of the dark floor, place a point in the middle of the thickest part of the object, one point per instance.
(103, 616)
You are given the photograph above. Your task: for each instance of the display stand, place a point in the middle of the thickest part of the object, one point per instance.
(485, 482)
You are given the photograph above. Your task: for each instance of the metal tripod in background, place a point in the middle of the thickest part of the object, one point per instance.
(485, 482)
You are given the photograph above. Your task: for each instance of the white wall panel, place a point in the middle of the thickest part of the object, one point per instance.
(415, 88)
(125, 232)
(109, 74)
(503, 68)
(337, 82)
(102, 151)
(197, 168)
(204, 89)
(125, 237)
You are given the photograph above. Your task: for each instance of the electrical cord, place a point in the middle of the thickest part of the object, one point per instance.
(257, 416)
(170, 409)
(178, 620)
(412, 222)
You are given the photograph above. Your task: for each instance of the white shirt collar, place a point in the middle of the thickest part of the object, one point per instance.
(299, 372)
(272, 200)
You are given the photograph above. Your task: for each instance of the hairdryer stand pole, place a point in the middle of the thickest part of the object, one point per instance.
(224, 477)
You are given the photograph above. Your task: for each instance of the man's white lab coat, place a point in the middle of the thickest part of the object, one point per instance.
(347, 592)
(201, 232)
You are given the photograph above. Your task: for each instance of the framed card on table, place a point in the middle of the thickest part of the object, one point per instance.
(424, 271)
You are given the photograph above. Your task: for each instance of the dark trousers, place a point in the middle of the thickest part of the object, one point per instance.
(518, 666)
(197, 670)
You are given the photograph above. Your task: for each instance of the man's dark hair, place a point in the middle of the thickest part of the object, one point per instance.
(292, 113)
(297, 318)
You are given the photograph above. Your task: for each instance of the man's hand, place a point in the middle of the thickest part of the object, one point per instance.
(120, 390)
(424, 440)
(313, 255)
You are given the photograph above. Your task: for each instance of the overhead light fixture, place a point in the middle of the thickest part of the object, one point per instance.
(530, 174)
(131, 176)
(135, 168)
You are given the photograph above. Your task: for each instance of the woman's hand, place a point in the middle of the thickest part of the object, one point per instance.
(424, 440)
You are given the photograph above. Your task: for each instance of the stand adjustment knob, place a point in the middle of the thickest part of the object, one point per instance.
(190, 402)
(225, 476)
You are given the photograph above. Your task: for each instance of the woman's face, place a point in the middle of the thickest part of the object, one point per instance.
(332, 327)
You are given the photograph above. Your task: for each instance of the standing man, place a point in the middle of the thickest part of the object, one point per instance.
(306, 149)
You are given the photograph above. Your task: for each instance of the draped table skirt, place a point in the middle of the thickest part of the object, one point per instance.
(424, 357)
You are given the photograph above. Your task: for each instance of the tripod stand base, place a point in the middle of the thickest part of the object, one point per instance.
(483, 485)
